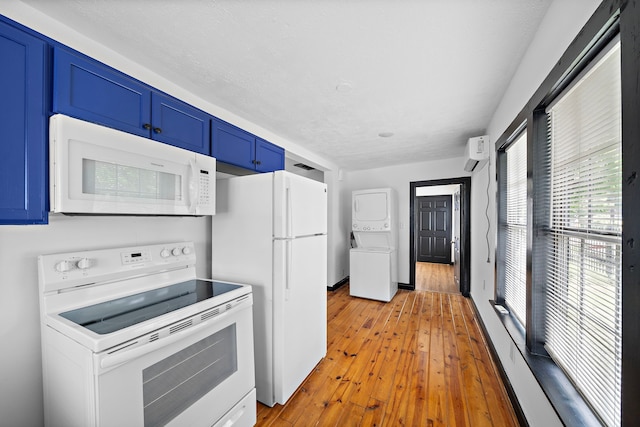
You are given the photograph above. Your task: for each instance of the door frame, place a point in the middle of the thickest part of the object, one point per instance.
(465, 229)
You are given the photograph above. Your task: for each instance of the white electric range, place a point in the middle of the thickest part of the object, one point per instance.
(131, 337)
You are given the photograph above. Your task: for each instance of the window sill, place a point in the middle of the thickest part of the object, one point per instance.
(571, 408)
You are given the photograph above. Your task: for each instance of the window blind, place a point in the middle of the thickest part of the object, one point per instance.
(515, 269)
(584, 256)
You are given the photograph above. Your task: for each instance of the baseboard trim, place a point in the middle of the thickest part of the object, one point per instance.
(503, 375)
(406, 286)
(337, 285)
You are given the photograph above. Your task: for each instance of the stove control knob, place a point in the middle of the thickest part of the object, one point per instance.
(186, 250)
(64, 266)
(176, 251)
(164, 253)
(83, 263)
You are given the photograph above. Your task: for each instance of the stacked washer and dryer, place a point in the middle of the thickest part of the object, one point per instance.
(373, 261)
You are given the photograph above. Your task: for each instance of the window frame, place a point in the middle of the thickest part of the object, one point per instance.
(563, 228)
(503, 223)
(611, 18)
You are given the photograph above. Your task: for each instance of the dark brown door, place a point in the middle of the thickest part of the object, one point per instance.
(434, 229)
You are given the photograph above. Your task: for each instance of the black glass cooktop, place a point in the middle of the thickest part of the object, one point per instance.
(111, 316)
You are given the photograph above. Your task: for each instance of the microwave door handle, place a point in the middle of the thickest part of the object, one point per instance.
(194, 187)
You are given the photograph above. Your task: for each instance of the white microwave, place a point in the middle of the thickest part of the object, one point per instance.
(98, 170)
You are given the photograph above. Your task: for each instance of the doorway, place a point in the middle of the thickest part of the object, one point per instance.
(422, 217)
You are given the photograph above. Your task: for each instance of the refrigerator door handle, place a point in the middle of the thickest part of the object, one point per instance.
(287, 277)
(289, 212)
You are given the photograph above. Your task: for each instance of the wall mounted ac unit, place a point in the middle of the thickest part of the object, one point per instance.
(477, 153)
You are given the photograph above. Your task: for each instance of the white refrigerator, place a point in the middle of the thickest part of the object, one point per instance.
(270, 231)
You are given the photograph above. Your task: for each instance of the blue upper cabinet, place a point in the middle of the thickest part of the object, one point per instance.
(232, 145)
(180, 124)
(23, 135)
(89, 90)
(269, 157)
(237, 147)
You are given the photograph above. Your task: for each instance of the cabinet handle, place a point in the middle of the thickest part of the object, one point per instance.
(147, 126)
(157, 130)
(253, 162)
(259, 162)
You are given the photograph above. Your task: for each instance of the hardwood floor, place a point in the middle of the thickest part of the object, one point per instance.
(419, 360)
(435, 277)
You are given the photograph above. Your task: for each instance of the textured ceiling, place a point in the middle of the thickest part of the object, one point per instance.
(329, 75)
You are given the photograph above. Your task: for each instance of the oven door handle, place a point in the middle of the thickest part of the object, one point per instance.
(125, 356)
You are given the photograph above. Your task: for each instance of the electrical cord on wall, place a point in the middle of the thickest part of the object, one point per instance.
(486, 212)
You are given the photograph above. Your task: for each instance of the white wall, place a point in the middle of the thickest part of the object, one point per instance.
(338, 232)
(563, 21)
(399, 177)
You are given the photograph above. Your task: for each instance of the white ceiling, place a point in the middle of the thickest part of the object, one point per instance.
(329, 75)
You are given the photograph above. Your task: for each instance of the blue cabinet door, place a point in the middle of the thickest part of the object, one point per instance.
(269, 157)
(232, 145)
(91, 91)
(177, 123)
(237, 147)
(23, 135)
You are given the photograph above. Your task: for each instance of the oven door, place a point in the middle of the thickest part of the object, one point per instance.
(195, 379)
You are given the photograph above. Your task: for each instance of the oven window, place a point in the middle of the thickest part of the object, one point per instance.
(175, 383)
(111, 316)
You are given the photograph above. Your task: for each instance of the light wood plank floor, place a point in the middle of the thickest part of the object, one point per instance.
(435, 277)
(419, 360)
